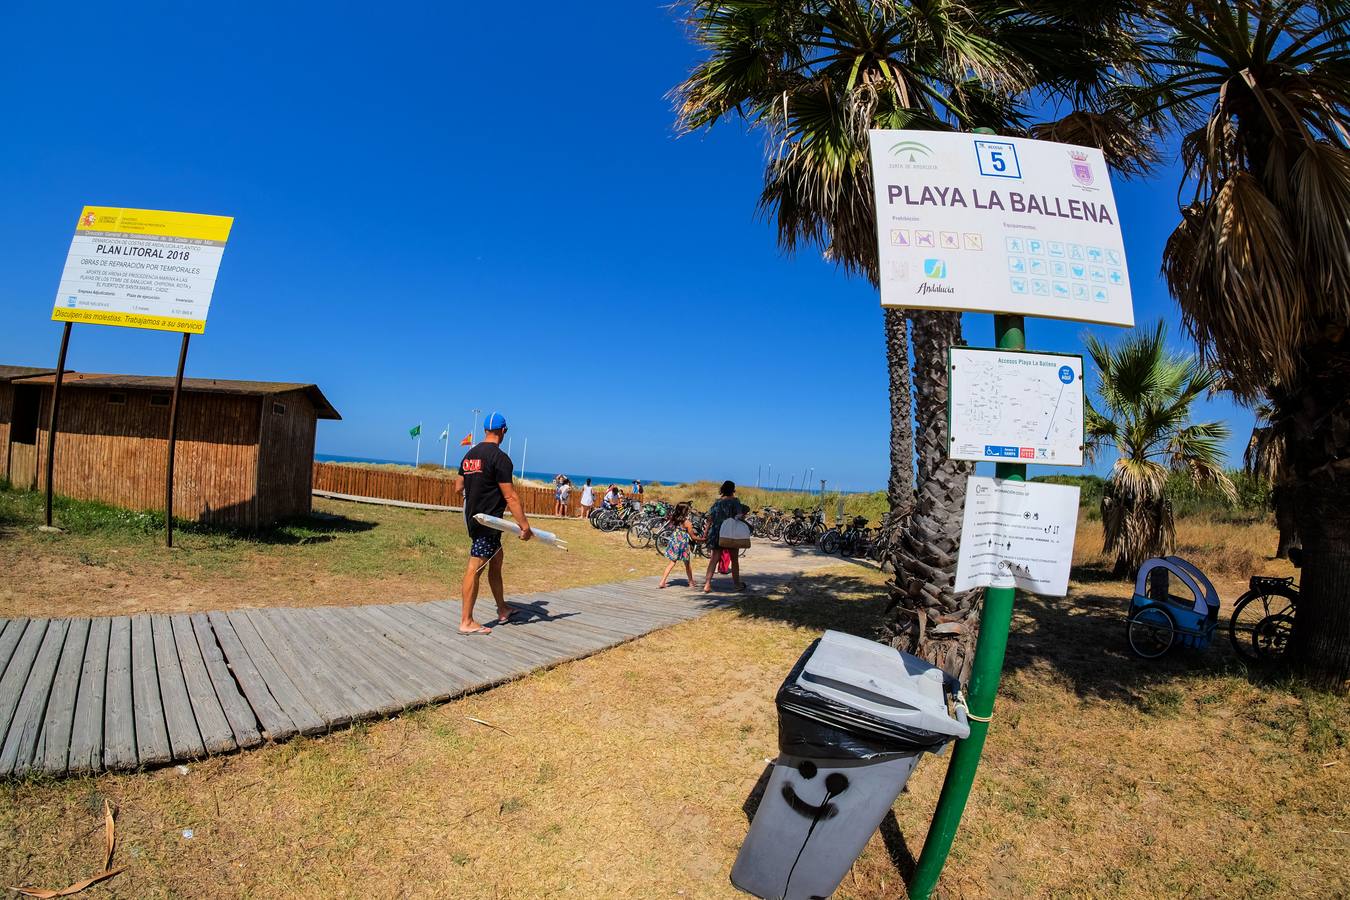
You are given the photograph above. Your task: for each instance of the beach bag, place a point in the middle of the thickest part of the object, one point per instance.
(724, 563)
(734, 534)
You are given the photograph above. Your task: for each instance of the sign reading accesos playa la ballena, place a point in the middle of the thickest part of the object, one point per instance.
(142, 268)
(994, 224)
(1013, 406)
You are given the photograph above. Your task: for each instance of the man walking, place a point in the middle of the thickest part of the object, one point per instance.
(485, 482)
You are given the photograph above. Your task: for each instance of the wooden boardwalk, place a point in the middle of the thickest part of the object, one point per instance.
(107, 694)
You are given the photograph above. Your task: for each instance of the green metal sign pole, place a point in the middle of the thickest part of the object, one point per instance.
(995, 618)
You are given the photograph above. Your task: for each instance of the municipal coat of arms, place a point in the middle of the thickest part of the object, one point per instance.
(1082, 169)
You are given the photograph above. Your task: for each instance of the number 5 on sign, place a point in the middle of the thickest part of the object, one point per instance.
(998, 159)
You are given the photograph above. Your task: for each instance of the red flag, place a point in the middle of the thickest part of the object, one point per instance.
(468, 440)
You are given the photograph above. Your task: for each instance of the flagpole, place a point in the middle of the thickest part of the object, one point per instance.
(445, 458)
(417, 458)
(473, 427)
(523, 451)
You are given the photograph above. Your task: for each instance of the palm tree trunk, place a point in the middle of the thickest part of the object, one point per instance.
(1282, 501)
(1319, 459)
(900, 488)
(927, 618)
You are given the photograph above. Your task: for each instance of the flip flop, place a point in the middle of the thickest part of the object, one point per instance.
(511, 616)
(481, 629)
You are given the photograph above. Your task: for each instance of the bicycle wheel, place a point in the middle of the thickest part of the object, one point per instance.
(639, 535)
(662, 540)
(1151, 632)
(830, 542)
(1261, 625)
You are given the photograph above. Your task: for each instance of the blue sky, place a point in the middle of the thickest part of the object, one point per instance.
(438, 209)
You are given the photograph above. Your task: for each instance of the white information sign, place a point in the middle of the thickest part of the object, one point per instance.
(1017, 532)
(994, 224)
(142, 268)
(1009, 405)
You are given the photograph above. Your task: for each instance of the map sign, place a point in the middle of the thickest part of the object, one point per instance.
(1003, 225)
(1017, 532)
(142, 268)
(1009, 405)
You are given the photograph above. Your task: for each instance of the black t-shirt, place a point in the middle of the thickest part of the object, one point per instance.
(484, 468)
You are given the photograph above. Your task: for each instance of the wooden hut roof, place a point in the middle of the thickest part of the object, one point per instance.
(322, 407)
(9, 373)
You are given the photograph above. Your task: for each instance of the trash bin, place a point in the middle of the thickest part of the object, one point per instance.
(853, 718)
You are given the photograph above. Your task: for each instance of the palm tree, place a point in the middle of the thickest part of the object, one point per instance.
(814, 76)
(1143, 412)
(1265, 459)
(1260, 262)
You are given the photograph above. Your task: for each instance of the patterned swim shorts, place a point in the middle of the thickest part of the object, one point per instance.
(487, 546)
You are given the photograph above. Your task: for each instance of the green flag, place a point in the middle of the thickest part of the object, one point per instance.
(415, 430)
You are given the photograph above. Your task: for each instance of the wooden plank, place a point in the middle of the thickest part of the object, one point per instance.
(572, 630)
(16, 756)
(422, 683)
(317, 692)
(244, 723)
(212, 725)
(152, 733)
(53, 750)
(16, 673)
(251, 656)
(447, 678)
(578, 618)
(119, 704)
(380, 692)
(624, 607)
(9, 639)
(347, 684)
(471, 668)
(185, 739)
(474, 652)
(86, 732)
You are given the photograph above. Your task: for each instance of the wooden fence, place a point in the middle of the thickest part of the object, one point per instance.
(411, 487)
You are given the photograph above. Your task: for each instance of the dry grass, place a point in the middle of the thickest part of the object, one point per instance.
(351, 553)
(1228, 552)
(626, 774)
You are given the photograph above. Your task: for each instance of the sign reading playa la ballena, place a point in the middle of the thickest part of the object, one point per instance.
(142, 268)
(995, 224)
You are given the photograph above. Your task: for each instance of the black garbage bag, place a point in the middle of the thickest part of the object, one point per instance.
(810, 724)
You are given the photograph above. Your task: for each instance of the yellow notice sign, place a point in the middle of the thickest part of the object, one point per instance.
(142, 268)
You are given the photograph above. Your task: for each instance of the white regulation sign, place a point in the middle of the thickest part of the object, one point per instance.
(1017, 532)
(1009, 405)
(995, 224)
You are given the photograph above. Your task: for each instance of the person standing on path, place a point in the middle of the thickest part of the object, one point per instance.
(485, 482)
(726, 507)
(587, 499)
(681, 541)
(637, 491)
(564, 495)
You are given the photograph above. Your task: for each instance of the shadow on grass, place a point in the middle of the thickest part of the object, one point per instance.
(1080, 638)
(820, 601)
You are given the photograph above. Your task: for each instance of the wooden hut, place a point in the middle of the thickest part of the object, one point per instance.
(18, 450)
(245, 449)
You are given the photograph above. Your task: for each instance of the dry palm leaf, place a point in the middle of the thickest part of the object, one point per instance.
(110, 840)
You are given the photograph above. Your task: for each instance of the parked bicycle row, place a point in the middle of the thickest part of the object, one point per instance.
(651, 525)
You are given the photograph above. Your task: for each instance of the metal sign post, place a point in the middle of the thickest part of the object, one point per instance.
(52, 422)
(173, 442)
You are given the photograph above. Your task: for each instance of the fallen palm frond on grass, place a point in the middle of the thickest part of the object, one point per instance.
(110, 844)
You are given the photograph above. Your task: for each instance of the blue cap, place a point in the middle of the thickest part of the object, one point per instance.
(494, 422)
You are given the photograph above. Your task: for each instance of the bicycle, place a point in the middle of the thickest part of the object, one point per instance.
(1263, 619)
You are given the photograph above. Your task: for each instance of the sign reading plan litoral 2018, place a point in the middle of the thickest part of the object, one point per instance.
(994, 224)
(142, 268)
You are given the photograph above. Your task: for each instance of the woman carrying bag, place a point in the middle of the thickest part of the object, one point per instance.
(726, 532)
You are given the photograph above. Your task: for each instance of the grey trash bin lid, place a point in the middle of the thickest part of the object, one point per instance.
(868, 689)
